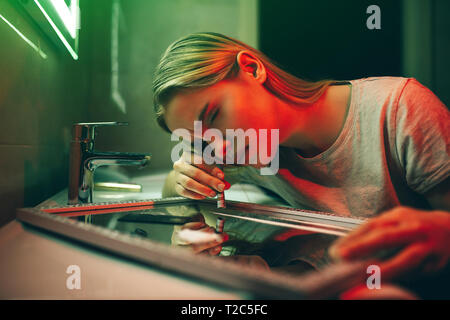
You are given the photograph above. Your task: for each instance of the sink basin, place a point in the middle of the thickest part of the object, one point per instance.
(152, 189)
(138, 230)
(151, 186)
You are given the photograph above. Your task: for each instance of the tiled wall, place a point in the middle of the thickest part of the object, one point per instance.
(147, 27)
(39, 100)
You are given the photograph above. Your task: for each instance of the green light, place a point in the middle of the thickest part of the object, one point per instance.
(28, 41)
(58, 32)
(115, 93)
(68, 16)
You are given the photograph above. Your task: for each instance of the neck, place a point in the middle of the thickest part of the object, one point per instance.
(312, 128)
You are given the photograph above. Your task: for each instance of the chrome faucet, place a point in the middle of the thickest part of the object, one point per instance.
(84, 160)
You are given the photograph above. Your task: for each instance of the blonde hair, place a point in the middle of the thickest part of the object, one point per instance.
(205, 58)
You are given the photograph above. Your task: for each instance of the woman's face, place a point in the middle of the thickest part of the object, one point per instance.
(238, 103)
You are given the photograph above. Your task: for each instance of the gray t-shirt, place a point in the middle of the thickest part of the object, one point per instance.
(393, 148)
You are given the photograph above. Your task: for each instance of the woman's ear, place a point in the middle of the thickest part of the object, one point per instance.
(251, 65)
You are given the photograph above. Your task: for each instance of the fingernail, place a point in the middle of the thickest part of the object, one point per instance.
(219, 175)
(212, 194)
(220, 187)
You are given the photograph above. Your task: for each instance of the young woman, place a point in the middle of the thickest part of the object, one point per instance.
(374, 147)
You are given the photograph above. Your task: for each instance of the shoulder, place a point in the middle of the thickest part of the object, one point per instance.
(409, 89)
(399, 97)
(374, 93)
(422, 136)
(416, 94)
(382, 81)
(418, 105)
(381, 85)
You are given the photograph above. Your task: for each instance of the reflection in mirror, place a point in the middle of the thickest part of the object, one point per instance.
(272, 238)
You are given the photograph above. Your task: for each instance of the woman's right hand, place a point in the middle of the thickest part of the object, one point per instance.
(210, 247)
(197, 181)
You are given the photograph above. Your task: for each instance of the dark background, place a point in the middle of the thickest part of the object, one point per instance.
(329, 39)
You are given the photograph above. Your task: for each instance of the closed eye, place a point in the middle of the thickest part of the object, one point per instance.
(214, 115)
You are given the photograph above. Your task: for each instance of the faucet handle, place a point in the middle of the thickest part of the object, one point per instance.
(85, 131)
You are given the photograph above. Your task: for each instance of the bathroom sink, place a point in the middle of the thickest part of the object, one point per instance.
(139, 226)
(152, 184)
(142, 231)
(151, 188)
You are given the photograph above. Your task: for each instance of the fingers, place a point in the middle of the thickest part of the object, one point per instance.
(212, 247)
(387, 221)
(179, 189)
(194, 225)
(375, 240)
(408, 259)
(197, 161)
(421, 236)
(196, 187)
(215, 250)
(370, 225)
(196, 182)
(197, 245)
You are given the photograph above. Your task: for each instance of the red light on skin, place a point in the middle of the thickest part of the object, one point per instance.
(241, 104)
(290, 233)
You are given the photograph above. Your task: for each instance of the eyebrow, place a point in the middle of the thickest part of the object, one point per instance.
(202, 113)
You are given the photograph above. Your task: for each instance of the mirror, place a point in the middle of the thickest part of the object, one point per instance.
(268, 238)
(261, 258)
